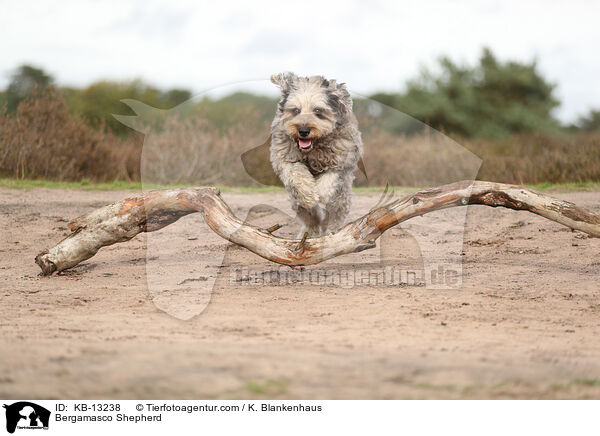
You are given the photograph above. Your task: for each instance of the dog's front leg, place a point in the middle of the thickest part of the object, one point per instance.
(300, 183)
(327, 185)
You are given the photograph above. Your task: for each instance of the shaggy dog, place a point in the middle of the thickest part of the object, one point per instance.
(315, 148)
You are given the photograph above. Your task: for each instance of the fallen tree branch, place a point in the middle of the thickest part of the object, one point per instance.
(123, 220)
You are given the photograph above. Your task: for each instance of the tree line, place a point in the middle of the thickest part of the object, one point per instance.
(491, 99)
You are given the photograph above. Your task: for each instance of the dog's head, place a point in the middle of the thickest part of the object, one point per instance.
(310, 108)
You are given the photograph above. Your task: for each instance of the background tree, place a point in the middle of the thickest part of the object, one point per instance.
(101, 99)
(491, 99)
(25, 79)
(237, 108)
(591, 122)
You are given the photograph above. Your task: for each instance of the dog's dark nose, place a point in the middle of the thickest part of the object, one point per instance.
(303, 131)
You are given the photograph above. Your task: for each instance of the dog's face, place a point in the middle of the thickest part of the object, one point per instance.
(310, 108)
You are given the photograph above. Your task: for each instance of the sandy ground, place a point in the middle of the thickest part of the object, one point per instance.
(524, 324)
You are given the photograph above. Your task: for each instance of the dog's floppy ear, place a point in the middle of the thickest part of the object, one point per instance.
(283, 80)
(339, 97)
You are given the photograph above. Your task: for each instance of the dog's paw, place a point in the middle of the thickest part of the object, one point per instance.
(327, 185)
(307, 199)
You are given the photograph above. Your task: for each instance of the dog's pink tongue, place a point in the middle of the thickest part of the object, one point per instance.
(304, 143)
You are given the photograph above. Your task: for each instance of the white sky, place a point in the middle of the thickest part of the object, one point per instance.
(371, 46)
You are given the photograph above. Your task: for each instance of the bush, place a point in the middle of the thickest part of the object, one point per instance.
(43, 140)
(191, 150)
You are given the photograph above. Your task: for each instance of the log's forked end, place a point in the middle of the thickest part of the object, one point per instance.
(48, 268)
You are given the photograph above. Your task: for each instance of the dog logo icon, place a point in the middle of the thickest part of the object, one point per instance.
(26, 415)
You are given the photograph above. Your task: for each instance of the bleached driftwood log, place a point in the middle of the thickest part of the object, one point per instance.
(123, 220)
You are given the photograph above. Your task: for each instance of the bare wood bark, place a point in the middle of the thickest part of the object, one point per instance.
(123, 220)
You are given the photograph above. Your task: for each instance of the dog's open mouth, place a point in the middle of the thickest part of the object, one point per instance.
(305, 144)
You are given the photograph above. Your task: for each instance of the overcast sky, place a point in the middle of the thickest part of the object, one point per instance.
(371, 46)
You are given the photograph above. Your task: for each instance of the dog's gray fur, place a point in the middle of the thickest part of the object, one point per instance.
(319, 180)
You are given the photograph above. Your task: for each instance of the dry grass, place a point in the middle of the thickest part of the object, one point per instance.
(192, 151)
(44, 141)
(537, 159)
(434, 159)
(420, 160)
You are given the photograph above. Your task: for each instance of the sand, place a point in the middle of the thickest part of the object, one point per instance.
(525, 323)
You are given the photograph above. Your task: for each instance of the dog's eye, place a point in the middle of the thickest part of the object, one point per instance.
(295, 110)
(319, 112)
